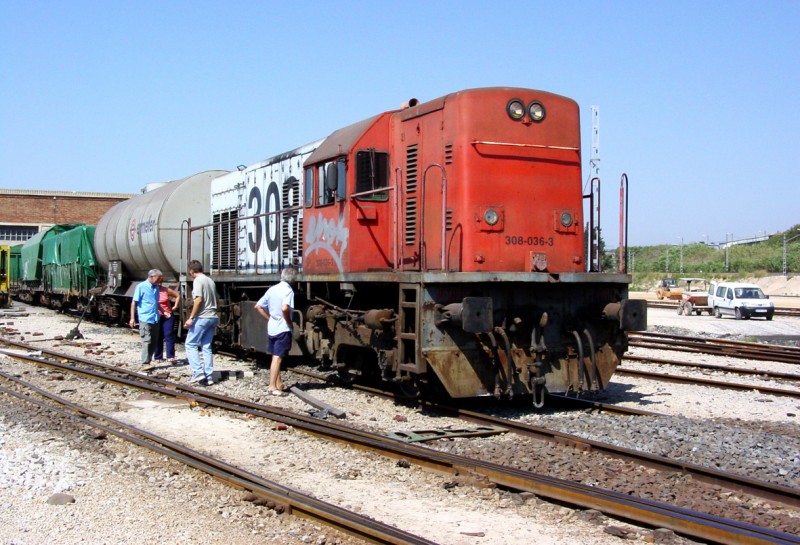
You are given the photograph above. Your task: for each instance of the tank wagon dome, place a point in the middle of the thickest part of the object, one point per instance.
(147, 231)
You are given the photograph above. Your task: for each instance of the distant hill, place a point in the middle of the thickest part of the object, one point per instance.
(754, 260)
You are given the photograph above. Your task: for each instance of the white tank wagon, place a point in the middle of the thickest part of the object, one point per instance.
(148, 232)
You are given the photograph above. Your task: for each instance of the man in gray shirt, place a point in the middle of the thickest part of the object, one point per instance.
(201, 324)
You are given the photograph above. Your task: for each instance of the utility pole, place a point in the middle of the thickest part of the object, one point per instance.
(727, 251)
(785, 254)
(681, 268)
(594, 170)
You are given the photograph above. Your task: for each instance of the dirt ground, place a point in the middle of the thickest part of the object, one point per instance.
(783, 290)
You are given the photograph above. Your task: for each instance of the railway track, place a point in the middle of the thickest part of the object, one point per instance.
(274, 495)
(779, 311)
(622, 371)
(721, 347)
(621, 505)
(768, 491)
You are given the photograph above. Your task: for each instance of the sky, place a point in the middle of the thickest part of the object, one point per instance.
(699, 101)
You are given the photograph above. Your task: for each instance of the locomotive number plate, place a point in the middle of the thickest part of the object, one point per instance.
(512, 240)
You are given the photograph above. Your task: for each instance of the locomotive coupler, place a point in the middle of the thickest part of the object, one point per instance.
(472, 314)
(631, 314)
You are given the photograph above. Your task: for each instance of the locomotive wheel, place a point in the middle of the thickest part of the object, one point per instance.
(426, 385)
(408, 388)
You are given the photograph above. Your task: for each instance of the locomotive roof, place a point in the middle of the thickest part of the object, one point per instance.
(341, 141)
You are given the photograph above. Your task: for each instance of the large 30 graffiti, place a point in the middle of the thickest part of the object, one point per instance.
(327, 235)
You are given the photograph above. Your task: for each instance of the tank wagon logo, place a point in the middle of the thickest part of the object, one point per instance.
(329, 236)
(140, 228)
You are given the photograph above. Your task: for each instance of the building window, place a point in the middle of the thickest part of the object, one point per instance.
(17, 233)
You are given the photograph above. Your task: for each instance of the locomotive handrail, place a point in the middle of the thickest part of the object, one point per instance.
(623, 228)
(372, 191)
(398, 245)
(281, 211)
(592, 247)
(518, 145)
(424, 256)
(191, 229)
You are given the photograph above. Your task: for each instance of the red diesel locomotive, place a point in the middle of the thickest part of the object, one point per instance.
(440, 247)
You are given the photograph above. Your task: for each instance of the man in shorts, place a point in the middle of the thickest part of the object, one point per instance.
(276, 307)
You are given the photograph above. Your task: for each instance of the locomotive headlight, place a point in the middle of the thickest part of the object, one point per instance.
(566, 219)
(491, 216)
(515, 109)
(536, 111)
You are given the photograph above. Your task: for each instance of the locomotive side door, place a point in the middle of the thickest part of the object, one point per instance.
(421, 220)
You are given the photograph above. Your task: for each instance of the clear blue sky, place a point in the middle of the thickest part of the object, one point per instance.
(699, 101)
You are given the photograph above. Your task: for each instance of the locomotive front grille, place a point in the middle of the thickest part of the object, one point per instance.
(226, 241)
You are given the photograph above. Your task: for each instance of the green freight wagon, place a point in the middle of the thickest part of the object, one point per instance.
(59, 266)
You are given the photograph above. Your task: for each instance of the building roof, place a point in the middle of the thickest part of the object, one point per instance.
(52, 193)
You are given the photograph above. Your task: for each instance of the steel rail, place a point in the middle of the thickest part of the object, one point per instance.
(648, 512)
(755, 487)
(717, 349)
(708, 382)
(741, 483)
(299, 504)
(676, 347)
(709, 366)
(702, 347)
(763, 489)
(777, 348)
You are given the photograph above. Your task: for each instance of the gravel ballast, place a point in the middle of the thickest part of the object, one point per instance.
(112, 492)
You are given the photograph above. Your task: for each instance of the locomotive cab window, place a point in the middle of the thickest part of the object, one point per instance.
(372, 172)
(331, 182)
(308, 187)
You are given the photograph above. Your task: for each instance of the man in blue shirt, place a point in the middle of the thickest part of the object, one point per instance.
(145, 304)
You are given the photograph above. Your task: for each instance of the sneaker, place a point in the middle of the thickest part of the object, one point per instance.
(210, 382)
(195, 379)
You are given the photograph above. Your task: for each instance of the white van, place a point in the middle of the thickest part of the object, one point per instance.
(741, 300)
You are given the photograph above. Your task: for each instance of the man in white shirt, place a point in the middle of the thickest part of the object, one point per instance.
(276, 307)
